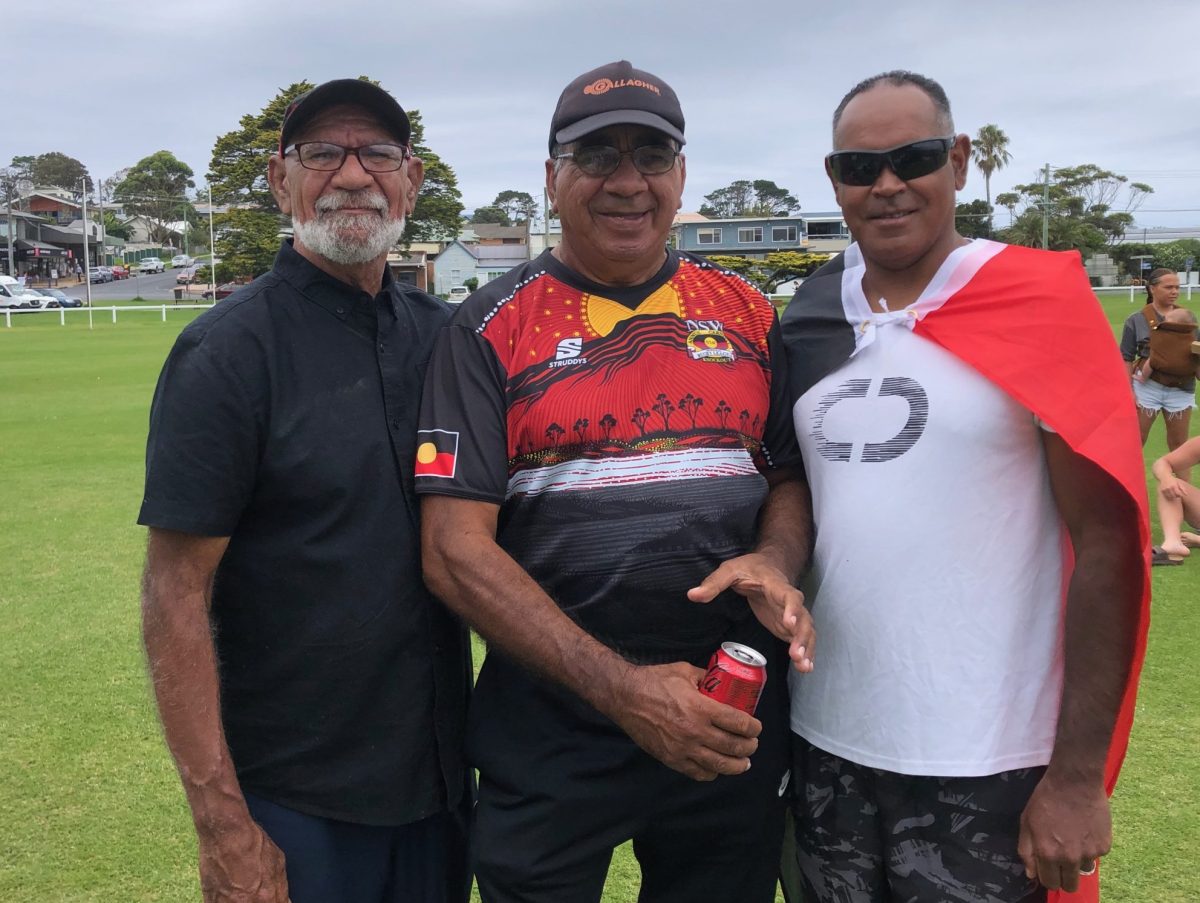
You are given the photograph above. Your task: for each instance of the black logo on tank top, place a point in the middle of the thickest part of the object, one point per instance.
(855, 391)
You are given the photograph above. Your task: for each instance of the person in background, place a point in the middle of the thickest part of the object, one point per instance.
(1173, 397)
(1178, 500)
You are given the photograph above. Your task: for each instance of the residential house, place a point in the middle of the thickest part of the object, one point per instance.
(411, 268)
(453, 267)
(755, 237)
(55, 204)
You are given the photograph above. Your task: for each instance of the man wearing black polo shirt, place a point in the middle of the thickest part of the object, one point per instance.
(311, 691)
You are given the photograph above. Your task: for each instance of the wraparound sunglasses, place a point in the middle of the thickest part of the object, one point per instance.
(907, 161)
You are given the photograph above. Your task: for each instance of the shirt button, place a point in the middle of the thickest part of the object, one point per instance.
(341, 311)
(395, 424)
(382, 347)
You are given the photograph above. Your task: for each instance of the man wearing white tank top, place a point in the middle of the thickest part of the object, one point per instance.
(977, 583)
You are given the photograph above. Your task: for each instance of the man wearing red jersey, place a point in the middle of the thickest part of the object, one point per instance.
(611, 489)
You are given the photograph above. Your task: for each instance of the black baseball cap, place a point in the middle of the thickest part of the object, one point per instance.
(353, 91)
(615, 94)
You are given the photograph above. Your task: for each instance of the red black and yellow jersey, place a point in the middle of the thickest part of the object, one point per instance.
(623, 433)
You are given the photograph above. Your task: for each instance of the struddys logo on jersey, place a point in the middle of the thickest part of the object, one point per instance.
(567, 354)
(706, 341)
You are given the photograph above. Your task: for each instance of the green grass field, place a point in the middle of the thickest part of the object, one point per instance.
(90, 807)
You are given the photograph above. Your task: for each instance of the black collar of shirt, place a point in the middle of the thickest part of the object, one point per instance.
(337, 297)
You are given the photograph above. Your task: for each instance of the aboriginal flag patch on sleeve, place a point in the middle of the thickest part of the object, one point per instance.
(437, 453)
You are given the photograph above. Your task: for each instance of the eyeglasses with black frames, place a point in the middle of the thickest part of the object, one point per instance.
(325, 157)
(908, 161)
(599, 160)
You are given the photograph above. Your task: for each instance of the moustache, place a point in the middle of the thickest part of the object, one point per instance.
(341, 199)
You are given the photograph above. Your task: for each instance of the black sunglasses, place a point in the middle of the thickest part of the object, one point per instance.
(907, 161)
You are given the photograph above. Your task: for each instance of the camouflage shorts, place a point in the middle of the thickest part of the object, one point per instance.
(869, 836)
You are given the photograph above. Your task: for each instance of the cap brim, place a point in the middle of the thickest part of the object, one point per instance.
(617, 117)
(353, 92)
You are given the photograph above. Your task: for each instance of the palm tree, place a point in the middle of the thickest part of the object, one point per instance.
(990, 151)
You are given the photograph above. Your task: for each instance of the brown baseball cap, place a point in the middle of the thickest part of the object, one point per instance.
(615, 94)
(351, 91)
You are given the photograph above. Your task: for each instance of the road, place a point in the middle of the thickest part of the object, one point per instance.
(159, 287)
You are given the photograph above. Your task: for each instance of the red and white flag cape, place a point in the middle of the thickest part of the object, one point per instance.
(1028, 321)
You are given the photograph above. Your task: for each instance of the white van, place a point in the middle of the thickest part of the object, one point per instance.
(13, 294)
(459, 294)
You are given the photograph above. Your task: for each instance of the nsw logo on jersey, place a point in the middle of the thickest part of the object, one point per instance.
(437, 453)
(706, 341)
(567, 354)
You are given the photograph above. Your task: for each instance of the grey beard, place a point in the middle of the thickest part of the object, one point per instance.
(325, 237)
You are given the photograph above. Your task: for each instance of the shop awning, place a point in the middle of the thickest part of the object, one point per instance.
(40, 249)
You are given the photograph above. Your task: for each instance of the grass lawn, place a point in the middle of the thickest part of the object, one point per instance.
(89, 802)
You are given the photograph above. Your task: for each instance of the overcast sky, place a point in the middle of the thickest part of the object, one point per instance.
(1071, 82)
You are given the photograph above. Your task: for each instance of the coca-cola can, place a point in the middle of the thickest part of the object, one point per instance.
(736, 675)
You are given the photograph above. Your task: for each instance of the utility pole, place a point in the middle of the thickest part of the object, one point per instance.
(212, 248)
(1046, 210)
(8, 190)
(87, 260)
(103, 233)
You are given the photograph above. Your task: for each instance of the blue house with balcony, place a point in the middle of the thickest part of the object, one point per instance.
(756, 237)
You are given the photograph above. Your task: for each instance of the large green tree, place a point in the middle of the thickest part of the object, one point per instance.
(1085, 212)
(776, 267)
(238, 170)
(60, 171)
(973, 219)
(749, 198)
(156, 189)
(518, 205)
(437, 215)
(491, 214)
(989, 149)
(247, 241)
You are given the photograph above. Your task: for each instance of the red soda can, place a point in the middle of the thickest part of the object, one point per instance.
(736, 676)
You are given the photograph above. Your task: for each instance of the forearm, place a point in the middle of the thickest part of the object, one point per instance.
(1099, 641)
(1162, 470)
(485, 587)
(183, 667)
(785, 533)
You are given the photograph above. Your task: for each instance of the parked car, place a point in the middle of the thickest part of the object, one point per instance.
(181, 260)
(224, 290)
(14, 295)
(95, 274)
(119, 272)
(459, 294)
(152, 265)
(108, 273)
(187, 274)
(58, 298)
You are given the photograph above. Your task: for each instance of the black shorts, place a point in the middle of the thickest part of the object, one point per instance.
(864, 835)
(560, 786)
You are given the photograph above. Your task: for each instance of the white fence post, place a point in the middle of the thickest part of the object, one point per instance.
(114, 310)
(8, 318)
(164, 313)
(62, 316)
